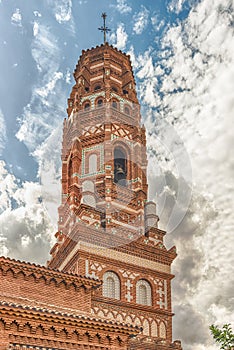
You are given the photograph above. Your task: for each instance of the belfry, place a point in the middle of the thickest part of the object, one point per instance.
(108, 283)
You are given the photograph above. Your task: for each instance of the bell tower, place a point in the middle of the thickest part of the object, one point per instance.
(107, 228)
(104, 157)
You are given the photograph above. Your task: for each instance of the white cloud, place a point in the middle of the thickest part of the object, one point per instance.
(40, 130)
(35, 28)
(68, 76)
(134, 59)
(25, 230)
(123, 7)
(48, 157)
(45, 50)
(121, 37)
(175, 6)
(16, 18)
(8, 186)
(140, 20)
(44, 91)
(3, 136)
(157, 22)
(63, 10)
(37, 13)
(41, 114)
(192, 87)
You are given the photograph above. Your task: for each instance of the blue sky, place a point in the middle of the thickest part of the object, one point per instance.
(182, 57)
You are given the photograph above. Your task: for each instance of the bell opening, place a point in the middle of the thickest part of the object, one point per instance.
(120, 167)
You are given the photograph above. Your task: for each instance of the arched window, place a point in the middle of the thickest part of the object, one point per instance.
(154, 329)
(114, 104)
(114, 89)
(100, 102)
(162, 330)
(97, 87)
(87, 106)
(111, 285)
(146, 329)
(143, 293)
(92, 163)
(127, 110)
(120, 166)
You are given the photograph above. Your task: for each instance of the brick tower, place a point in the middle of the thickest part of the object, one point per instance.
(107, 228)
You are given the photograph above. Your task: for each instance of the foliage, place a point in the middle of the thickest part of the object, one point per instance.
(223, 336)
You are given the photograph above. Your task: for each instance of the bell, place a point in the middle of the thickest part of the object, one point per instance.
(119, 170)
(120, 175)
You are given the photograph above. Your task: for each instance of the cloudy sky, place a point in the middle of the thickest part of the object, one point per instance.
(182, 56)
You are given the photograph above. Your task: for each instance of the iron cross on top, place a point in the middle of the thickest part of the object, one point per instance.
(104, 29)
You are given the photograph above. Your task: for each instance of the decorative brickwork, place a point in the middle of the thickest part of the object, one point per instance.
(46, 309)
(108, 283)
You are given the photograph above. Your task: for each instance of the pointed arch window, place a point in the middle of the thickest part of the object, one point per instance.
(111, 285)
(143, 293)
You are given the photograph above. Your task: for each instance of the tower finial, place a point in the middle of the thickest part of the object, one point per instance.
(104, 29)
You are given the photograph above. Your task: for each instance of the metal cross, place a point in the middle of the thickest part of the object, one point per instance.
(104, 29)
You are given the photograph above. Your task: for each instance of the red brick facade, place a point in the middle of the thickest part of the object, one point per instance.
(42, 308)
(107, 231)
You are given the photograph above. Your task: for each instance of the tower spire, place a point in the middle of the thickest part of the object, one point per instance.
(104, 29)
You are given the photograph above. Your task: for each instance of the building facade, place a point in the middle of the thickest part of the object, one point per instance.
(109, 277)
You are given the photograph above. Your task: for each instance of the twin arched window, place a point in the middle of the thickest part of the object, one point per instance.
(111, 289)
(111, 285)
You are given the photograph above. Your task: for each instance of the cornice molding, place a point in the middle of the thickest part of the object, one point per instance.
(41, 272)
